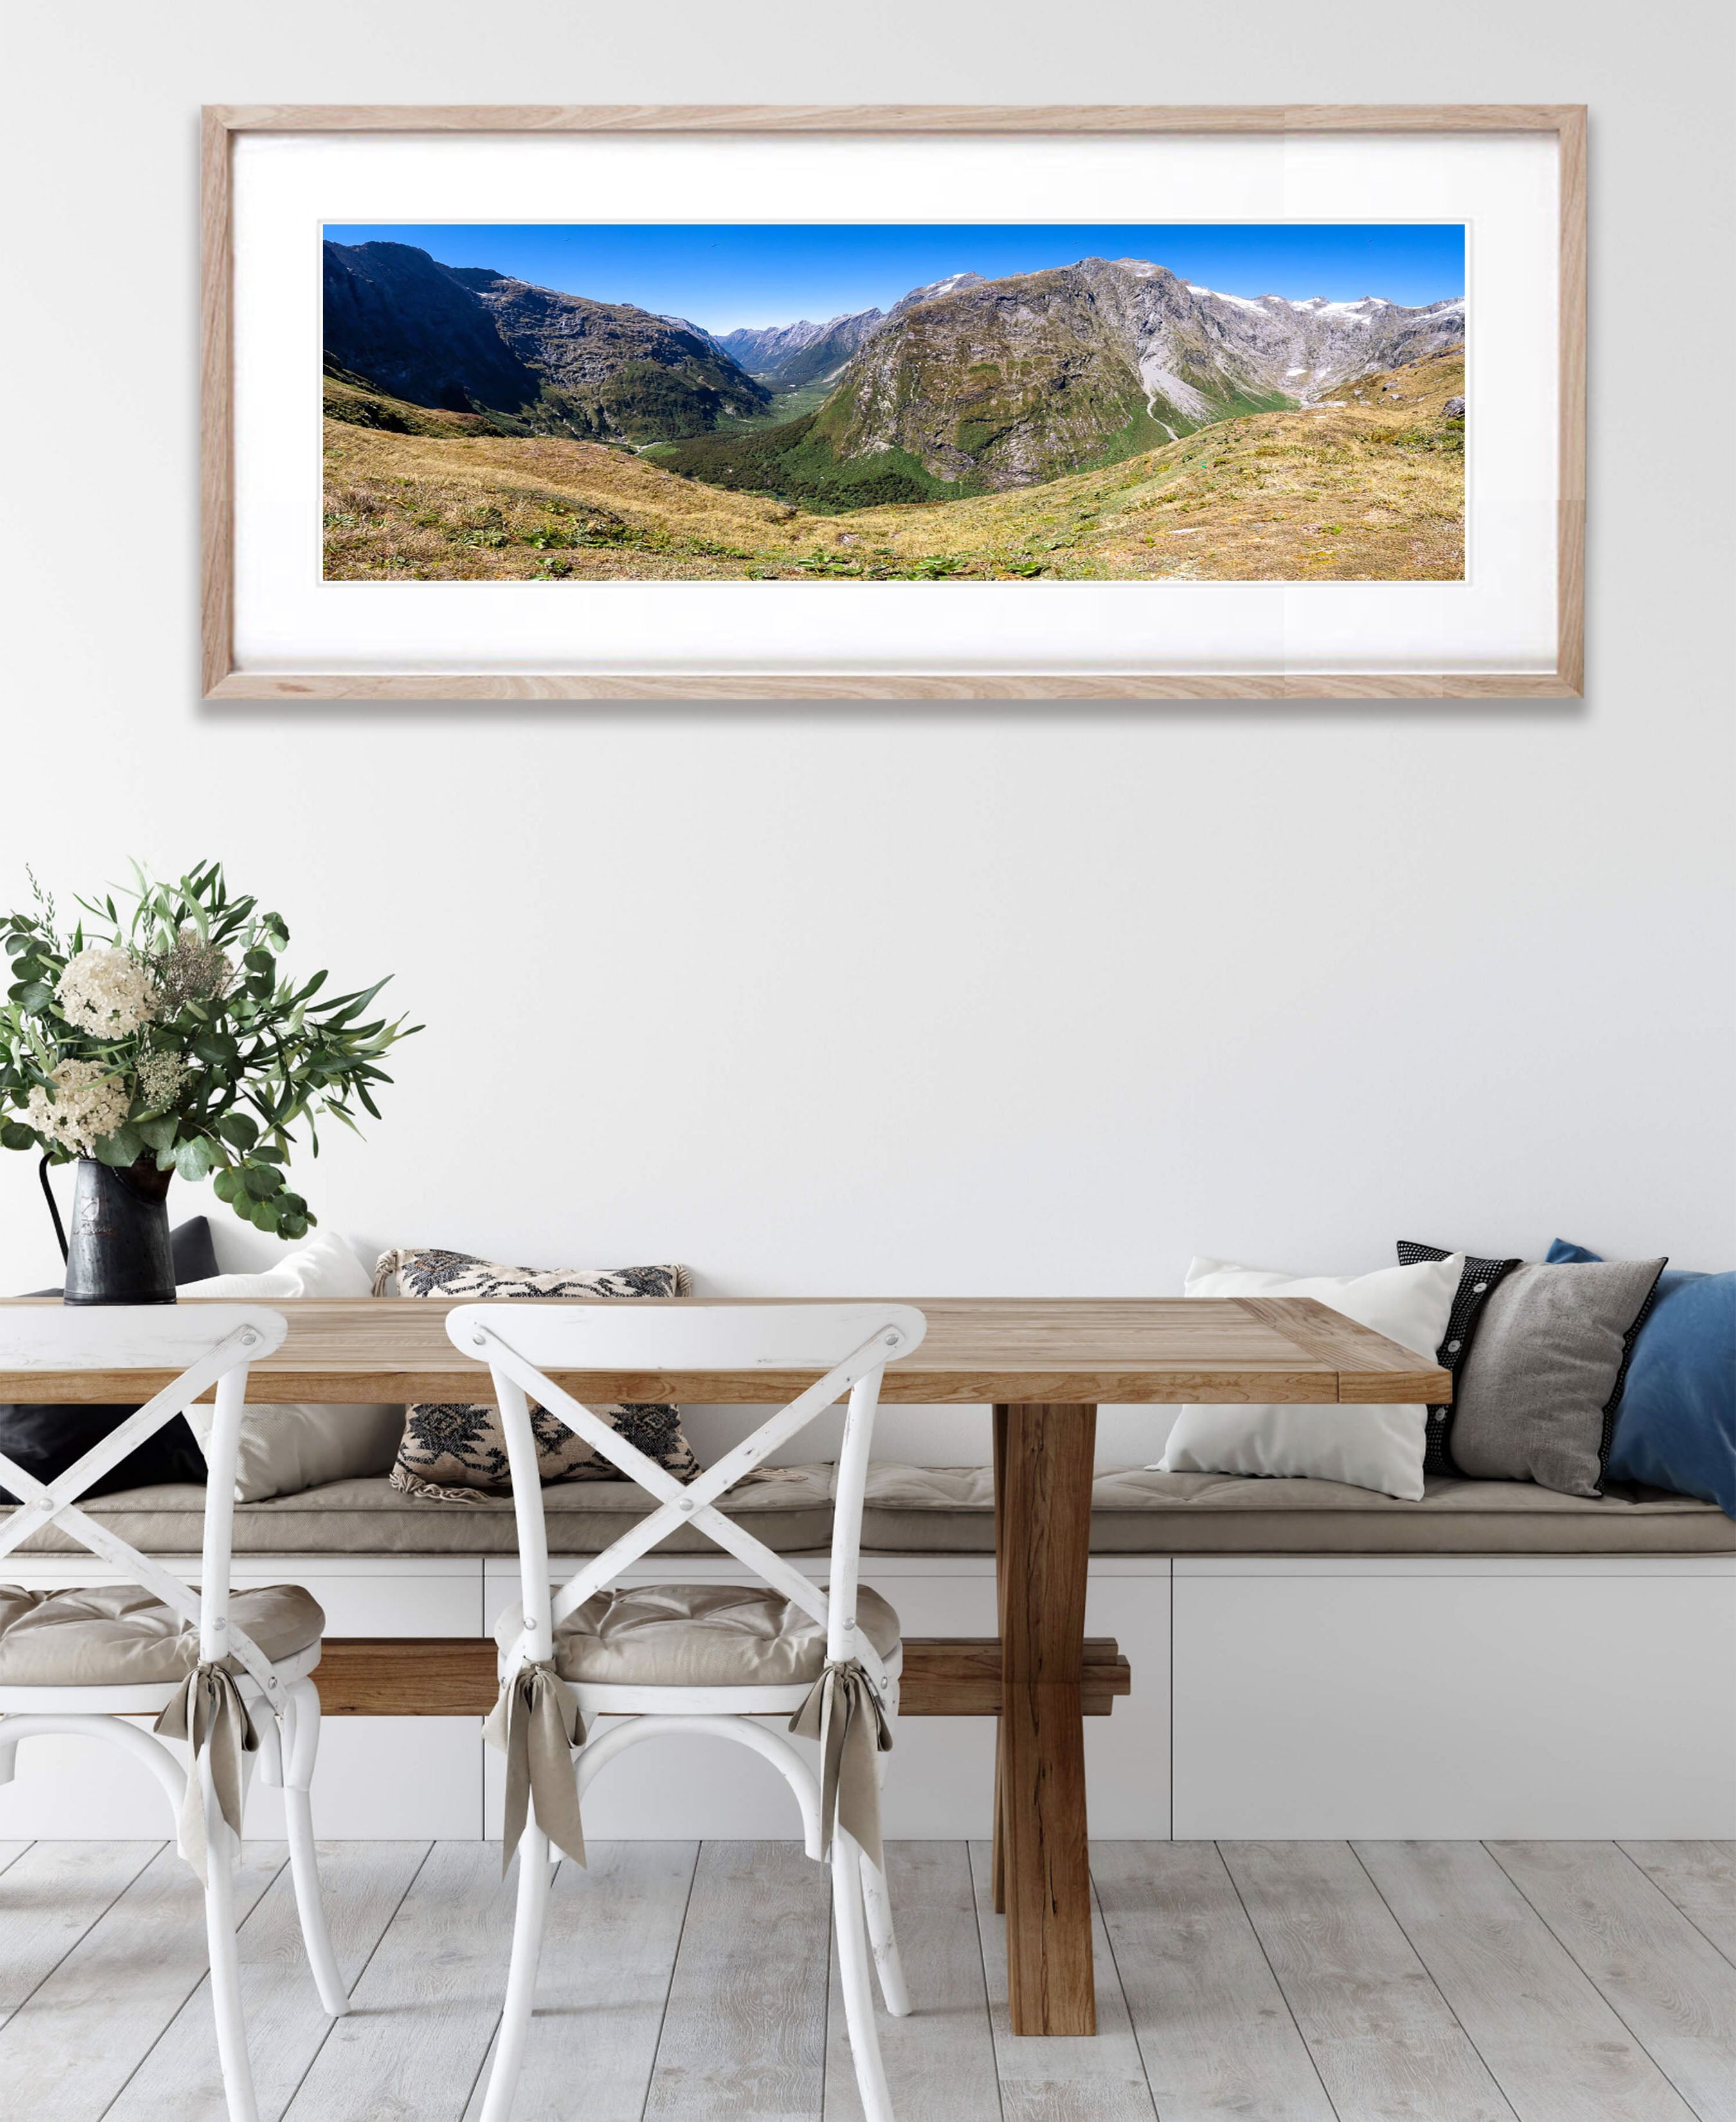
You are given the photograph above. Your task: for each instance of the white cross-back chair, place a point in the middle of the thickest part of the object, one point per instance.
(228, 1671)
(680, 1657)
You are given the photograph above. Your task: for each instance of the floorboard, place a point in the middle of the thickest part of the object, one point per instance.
(940, 2060)
(1265, 1981)
(608, 1957)
(51, 1895)
(744, 2034)
(179, 2080)
(1699, 1877)
(108, 2001)
(1046, 2079)
(424, 2012)
(1673, 1989)
(1383, 2038)
(1215, 2033)
(1554, 2046)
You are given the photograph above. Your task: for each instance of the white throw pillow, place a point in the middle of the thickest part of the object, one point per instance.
(285, 1450)
(1370, 1448)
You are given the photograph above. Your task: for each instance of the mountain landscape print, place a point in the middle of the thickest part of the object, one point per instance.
(864, 402)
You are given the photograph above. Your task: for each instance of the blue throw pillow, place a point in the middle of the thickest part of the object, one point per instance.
(1677, 1426)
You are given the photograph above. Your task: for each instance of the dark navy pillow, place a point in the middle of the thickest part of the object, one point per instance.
(1677, 1426)
(45, 1438)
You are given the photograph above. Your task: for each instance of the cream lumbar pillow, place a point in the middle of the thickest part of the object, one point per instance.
(1369, 1447)
(285, 1450)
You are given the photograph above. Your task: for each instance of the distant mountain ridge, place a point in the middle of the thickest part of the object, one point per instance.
(467, 339)
(787, 355)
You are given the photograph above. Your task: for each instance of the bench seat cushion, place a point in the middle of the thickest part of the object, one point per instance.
(699, 1635)
(368, 1516)
(121, 1635)
(950, 1510)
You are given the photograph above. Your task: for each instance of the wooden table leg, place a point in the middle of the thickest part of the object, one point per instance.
(1042, 1538)
(997, 1857)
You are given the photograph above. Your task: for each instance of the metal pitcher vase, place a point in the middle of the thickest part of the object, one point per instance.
(118, 1247)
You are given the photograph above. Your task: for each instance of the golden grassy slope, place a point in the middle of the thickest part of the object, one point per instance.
(1371, 489)
(498, 508)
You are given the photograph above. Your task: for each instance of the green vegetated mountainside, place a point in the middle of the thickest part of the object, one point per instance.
(525, 360)
(1000, 384)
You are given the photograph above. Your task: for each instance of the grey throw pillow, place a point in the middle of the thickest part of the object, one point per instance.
(1536, 1398)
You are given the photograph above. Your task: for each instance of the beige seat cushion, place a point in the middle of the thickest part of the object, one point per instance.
(948, 1510)
(121, 1635)
(366, 1515)
(699, 1635)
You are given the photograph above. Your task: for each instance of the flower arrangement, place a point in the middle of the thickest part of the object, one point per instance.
(170, 1037)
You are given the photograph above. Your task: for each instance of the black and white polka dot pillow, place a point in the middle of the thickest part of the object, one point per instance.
(1474, 1286)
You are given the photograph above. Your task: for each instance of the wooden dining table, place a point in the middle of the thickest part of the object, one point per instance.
(1044, 1366)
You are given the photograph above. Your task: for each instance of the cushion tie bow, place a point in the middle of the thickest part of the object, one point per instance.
(536, 1724)
(208, 1710)
(847, 1716)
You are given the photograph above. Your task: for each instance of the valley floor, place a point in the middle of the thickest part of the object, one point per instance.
(1367, 487)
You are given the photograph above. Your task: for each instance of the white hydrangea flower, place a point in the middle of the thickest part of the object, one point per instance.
(89, 1103)
(106, 991)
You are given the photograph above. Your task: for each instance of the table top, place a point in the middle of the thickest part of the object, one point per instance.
(1081, 1350)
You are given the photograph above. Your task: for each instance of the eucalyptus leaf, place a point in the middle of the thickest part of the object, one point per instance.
(158, 1133)
(124, 1146)
(194, 1157)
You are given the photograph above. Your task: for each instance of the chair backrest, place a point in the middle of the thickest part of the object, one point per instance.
(651, 1344)
(206, 1345)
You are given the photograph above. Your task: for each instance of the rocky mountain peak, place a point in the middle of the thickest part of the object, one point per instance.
(465, 339)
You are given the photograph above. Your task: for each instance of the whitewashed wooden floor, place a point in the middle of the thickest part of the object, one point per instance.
(1274, 1982)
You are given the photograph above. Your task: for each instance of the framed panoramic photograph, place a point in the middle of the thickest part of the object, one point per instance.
(907, 403)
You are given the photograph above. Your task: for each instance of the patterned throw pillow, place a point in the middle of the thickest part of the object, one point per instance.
(456, 1452)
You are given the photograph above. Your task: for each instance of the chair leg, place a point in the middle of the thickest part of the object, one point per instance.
(226, 1972)
(527, 1947)
(853, 1978)
(877, 1902)
(304, 1864)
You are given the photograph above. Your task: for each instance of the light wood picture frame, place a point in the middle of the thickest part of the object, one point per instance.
(226, 675)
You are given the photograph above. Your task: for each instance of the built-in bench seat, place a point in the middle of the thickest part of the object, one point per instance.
(1308, 1660)
(950, 1510)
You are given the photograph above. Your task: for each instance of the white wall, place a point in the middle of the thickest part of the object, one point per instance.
(1012, 998)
